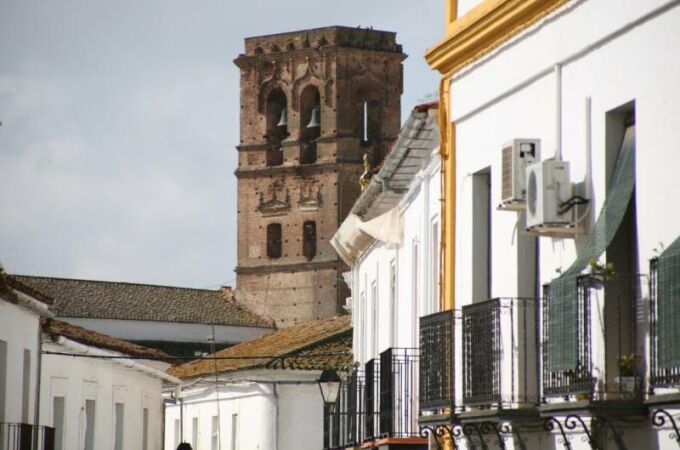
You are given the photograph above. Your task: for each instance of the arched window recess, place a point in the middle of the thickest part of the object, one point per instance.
(277, 126)
(310, 124)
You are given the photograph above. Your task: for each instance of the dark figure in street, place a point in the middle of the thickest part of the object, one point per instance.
(184, 446)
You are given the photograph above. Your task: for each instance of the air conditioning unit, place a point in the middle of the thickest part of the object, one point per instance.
(517, 155)
(548, 186)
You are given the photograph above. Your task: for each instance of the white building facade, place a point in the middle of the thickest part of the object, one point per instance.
(96, 398)
(390, 240)
(19, 359)
(562, 316)
(241, 402)
(258, 409)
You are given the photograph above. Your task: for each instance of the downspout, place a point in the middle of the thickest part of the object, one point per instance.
(448, 216)
(276, 424)
(181, 419)
(558, 112)
(36, 412)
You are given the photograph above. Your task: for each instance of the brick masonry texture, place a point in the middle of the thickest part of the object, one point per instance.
(346, 68)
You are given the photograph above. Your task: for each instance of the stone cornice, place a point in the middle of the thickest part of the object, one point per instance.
(484, 28)
(292, 267)
(300, 169)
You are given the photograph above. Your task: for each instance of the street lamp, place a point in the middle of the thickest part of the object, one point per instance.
(329, 385)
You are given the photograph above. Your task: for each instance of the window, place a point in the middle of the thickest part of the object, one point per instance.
(234, 431)
(145, 428)
(58, 410)
(393, 304)
(481, 235)
(89, 424)
(215, 433)
(26, 386)
(274, 240)
(434, 258)
(3, 379)
(178, 433)
(194, 432)
(363, 338)
(415, 293)
(309, 239)
(119, 414)
(374, 316)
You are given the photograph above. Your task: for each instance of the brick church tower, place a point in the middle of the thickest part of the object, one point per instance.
(313, 102)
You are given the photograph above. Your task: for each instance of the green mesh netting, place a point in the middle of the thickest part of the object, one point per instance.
(563, 292)
(668, 304)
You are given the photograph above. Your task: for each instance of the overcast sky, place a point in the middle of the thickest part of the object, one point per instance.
(119, 121)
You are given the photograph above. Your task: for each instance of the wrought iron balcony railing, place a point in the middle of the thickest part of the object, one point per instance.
(589, 337)
(372, 399)
(343, 421)
(500, 353)
(664, 294)
(398, 393)
(390, 395)
(22, 436)
(436, 361)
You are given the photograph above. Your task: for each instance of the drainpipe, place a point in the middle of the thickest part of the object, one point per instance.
(181, 419)
(276, 424)
(36, 412)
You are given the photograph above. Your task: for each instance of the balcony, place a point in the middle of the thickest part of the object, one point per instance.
(664, 324)
(590, 347)
(390, 400)
(22, 436)
(499, 357)
(436, 363)
(398, 404)
(343, 421)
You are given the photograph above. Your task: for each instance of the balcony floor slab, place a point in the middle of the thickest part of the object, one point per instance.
(605, 408)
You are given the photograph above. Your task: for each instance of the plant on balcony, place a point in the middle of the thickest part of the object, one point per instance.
(627, 379)
(600, 272)
(627, 365)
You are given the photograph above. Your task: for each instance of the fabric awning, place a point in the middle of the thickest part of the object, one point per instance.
(354, 235)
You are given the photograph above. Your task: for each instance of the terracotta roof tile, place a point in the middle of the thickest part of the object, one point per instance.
(332, 335)
(92, 338)
(130, 301)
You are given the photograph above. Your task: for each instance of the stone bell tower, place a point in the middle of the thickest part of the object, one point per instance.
(313, 102)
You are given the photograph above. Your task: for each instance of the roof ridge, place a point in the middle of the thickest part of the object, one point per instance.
(127, 283)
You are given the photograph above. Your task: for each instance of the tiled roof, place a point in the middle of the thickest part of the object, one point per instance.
(129, 301)
(99, 340)
(319, 337)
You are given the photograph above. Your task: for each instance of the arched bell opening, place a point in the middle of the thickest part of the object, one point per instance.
(310, 124)
(366, 113)
(277, 126)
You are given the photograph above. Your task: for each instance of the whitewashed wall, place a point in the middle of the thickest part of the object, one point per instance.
(106, 382)
(260, 399)
(19, 328)
(163, 331)
(421, 209)
(613, 51)
(639, 63)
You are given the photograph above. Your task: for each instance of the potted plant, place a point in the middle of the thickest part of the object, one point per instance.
(600, 272)
(627, 380)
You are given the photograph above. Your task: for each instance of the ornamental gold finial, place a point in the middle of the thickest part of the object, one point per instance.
(366, 176)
